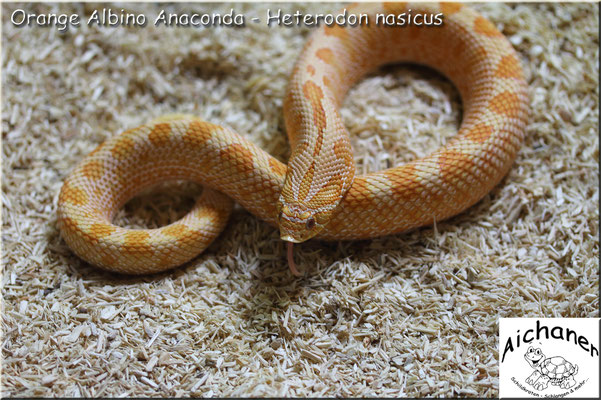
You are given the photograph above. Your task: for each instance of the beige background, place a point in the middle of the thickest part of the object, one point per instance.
(408, 315)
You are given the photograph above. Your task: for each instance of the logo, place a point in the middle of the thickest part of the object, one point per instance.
(549, 357)
(553, 370)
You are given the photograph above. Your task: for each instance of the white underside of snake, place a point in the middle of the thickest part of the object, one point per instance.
(316, 194)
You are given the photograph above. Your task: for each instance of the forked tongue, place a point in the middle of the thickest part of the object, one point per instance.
(291, 260)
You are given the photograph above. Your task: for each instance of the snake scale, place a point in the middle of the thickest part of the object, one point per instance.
(316, 194)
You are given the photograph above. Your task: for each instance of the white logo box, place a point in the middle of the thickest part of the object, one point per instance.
(549, 357)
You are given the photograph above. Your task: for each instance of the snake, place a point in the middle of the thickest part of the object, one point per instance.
(316, 195)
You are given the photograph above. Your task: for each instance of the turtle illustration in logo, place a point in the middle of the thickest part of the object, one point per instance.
(554, 370)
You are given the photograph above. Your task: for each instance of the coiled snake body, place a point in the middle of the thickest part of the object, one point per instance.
(316, 194)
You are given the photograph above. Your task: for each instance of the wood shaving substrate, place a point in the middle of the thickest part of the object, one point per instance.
(414, 314)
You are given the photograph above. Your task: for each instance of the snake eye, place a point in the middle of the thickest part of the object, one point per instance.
(310, 223)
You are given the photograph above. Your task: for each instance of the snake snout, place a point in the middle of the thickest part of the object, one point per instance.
(293, 231)
(288, 238)
(297, 224)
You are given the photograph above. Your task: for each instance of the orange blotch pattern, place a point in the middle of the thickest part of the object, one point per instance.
(394, 7)
(108, 260)
(93, 170)
(479, 133)
(485, 27)
(122, 149)
(159, 136)
(403, 180)
(328, 83)
(337, 31)
(137, 241)
(506, 103)
(176, 230)
(73, 195)
(306, 183)
(480, 55)
(102, 230)
(68, 223)
(198, 132)
(314, 94)
(326, 55)
(450, 8)
(239, 157)
(509, 67)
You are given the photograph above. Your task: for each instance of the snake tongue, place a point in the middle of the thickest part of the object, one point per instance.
(291, 260)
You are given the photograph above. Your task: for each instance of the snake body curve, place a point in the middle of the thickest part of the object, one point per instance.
(316, 194)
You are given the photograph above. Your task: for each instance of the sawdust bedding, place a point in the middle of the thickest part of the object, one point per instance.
(407, 315)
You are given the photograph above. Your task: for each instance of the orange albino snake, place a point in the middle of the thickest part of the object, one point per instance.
(316, 194)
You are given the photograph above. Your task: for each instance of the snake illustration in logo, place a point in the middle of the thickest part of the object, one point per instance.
(554, 370)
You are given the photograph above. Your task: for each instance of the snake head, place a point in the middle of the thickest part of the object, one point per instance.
(312, 191)
(299, 223)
